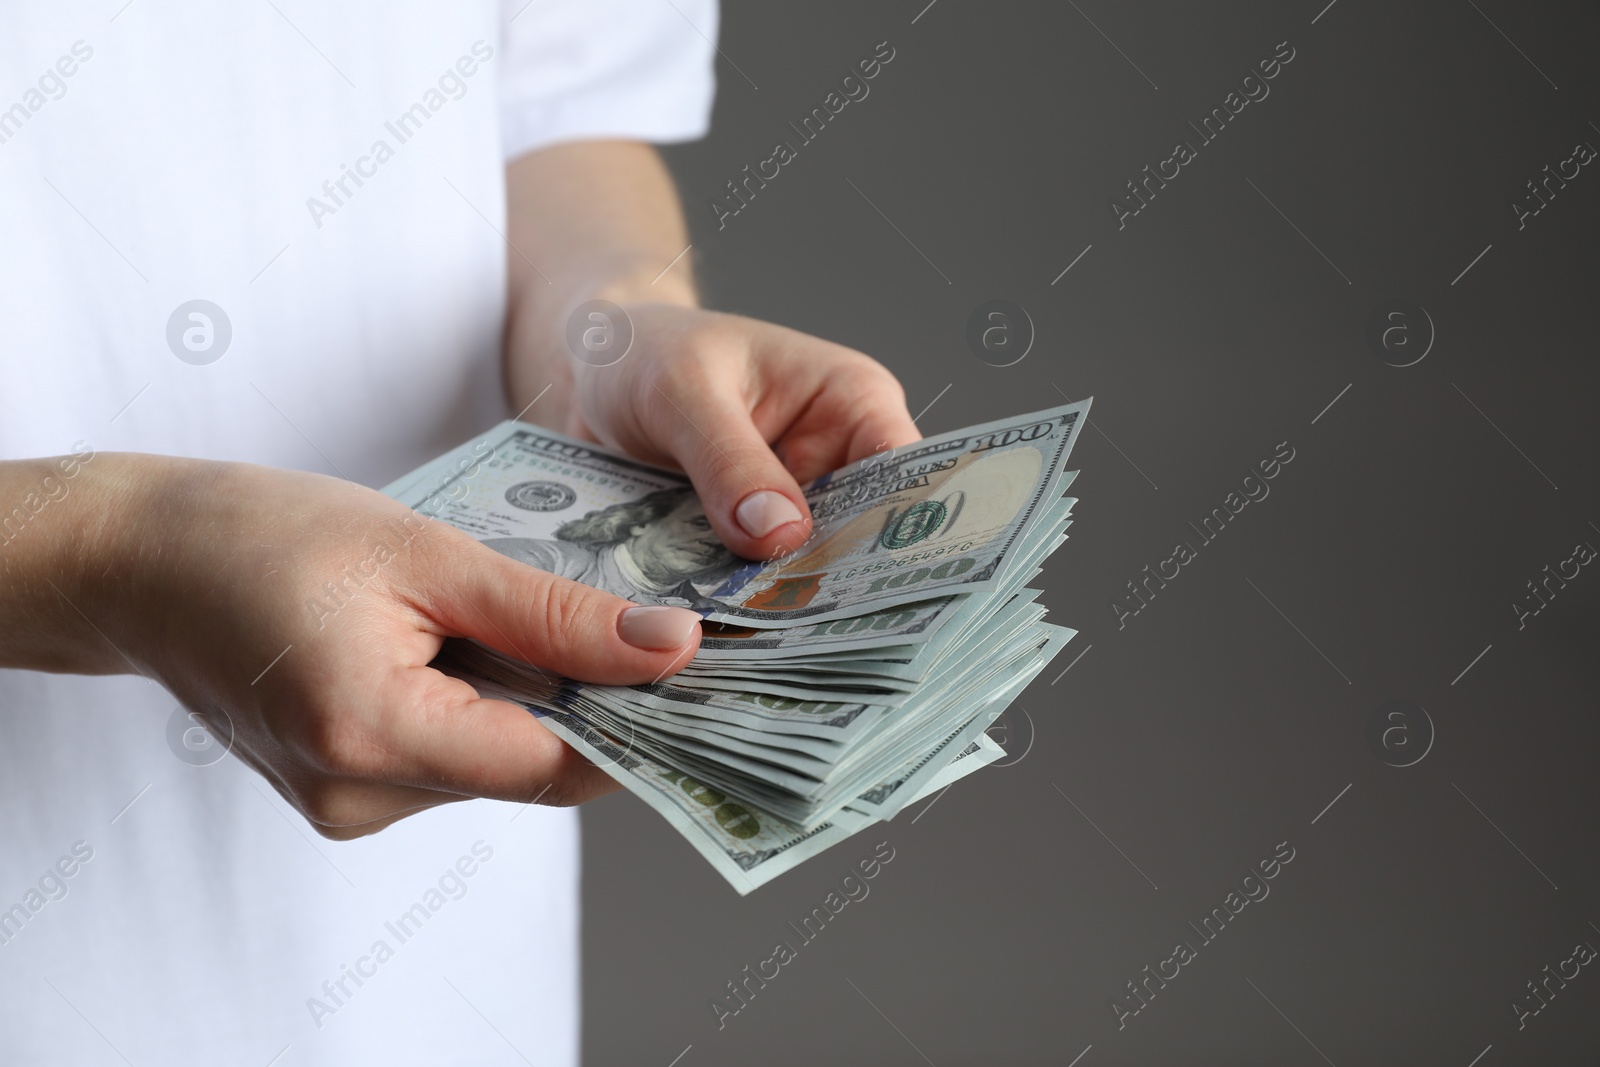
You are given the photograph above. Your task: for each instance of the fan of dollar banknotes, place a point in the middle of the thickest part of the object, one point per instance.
(833, 687)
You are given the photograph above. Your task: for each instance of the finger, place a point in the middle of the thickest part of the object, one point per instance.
(883, 426)
(450, 739)
(875, 409)
(561, 625)
(752, 500)
(859, 412)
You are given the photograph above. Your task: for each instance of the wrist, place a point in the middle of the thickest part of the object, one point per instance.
(647, 283)
(128, 543)
(539, 362)
(66, 552)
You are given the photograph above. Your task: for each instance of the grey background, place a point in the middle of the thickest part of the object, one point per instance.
(1211, 727)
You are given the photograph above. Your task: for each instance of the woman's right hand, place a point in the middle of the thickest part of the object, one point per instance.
(305, 610)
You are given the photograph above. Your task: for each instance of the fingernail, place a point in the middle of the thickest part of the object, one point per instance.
(764, 511)
(657, 629)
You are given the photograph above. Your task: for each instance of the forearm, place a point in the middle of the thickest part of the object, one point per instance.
(60, 534)
(591, 220)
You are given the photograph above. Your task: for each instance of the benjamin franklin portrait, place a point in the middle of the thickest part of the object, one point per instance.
(658, 549)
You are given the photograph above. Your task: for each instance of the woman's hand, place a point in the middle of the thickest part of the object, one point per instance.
(749, 410)
(299, 613)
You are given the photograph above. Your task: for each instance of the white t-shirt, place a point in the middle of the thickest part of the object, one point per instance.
(159, 152)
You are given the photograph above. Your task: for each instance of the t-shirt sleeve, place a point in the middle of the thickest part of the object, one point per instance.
(590, 69)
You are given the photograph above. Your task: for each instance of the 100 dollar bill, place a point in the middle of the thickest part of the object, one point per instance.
(944, 516)
(746, 846)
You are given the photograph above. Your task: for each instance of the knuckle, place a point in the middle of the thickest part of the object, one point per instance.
(687, 380)
(892, 386)
(744, 462)
(568, 614)
(339, 745)
(877, 382)
(716, 334)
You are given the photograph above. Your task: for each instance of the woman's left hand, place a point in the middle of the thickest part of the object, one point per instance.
(749, 410)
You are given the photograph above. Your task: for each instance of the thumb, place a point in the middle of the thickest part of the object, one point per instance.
(558, 624)
(752, 500)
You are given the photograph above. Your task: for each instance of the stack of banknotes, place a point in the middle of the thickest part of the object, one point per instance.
(833, 687)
